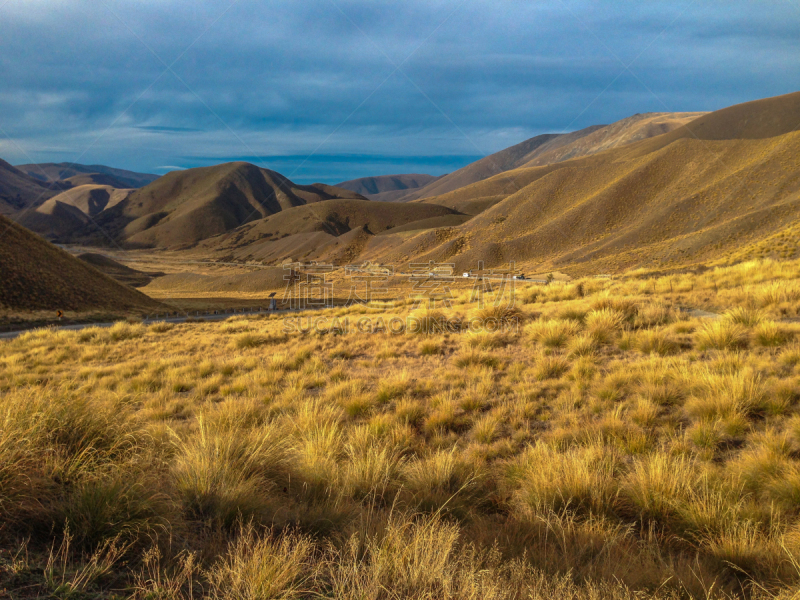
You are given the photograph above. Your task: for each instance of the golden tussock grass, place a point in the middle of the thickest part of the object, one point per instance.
(612, 447)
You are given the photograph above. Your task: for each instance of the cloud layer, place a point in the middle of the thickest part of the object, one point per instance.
(326, 90)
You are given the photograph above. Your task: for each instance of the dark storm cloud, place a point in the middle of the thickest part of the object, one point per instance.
(275, 82)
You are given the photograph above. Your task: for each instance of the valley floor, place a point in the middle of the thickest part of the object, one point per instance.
(583, 439)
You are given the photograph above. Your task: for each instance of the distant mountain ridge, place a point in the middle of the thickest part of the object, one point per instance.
(65, 171)
(18, 191)
(386, 188)
(29, 186)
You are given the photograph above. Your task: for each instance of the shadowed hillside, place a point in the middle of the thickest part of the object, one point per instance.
(671, 199)
(320, 230)
(118, 271)
(40, 276)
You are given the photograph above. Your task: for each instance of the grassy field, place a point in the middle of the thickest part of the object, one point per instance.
(594, 439)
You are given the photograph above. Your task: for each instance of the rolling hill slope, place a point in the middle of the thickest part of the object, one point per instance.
(486, 167)
(627, 131)
(698, 192)
(553, 148)
(39, 276)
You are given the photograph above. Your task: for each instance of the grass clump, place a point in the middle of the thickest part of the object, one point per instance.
(748, 317)
(550, 367)
(261, 565)
(443, 481)
(770, 335)
(579, 479)
(604, 324)
(250, 340)
(430, 348)
(487, 341)
(496, 318)
(473, 358)
(582, 345)
(224, 473)
(656, 341)
(553, 333)
(655, 484)
(727, 395)
(722, 335)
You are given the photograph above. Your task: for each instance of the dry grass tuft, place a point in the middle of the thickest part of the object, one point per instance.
(495, 318)
(749, 317)
(604, 324)
(580, 479)
(260, 566)
(722, 335)
(553, 333)
(656, 341)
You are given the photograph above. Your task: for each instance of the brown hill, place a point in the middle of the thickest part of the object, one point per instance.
(759, 119)
(627, 131)
(19, 191)
(40, 276)
(488, 166)
(552, 148)
(337, 217)
(385, 188)
(72, 210)
(317, 229)
(55, 220)
(452, 220)
(91, 199)
(474, 199)
(185, 207)
(672, 199)
(63, 171)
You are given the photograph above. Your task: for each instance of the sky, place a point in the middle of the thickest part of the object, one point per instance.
(329, 90)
